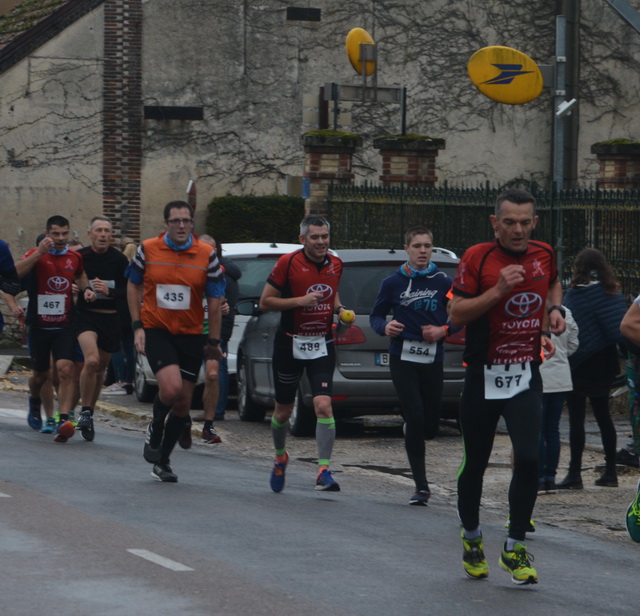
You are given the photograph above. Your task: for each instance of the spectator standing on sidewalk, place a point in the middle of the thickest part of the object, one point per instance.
(598, 308)
(556, 382)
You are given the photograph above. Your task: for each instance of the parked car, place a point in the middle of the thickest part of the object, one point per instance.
(255, 260)
(362, 381)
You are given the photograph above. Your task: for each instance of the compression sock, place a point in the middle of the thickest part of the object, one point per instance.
(279, 434)
(325, 438)
(172, 431)
(472, 534)
(160, 411)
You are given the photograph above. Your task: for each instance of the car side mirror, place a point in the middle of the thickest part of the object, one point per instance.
(248, 308)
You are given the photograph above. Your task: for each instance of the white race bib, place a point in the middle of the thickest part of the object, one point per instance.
(51, 304)
(173, 296)
(309, 347)
(505, 381)
(419, 351)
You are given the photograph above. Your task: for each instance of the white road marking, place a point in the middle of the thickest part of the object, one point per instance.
(2, 495)
(160, 560)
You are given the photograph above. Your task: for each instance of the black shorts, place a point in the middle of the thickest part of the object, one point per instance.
(184, 350)
(61, 343)
(105, 324)
(287, 370)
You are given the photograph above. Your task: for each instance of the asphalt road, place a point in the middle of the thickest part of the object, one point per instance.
(84, 529)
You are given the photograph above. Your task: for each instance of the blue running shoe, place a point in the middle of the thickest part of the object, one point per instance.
(49, 427)
(277, 480)
(34, 418)
(326, 482)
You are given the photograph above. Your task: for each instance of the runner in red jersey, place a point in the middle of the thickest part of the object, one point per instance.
(54, 268)
(304, 287)
(506, 293)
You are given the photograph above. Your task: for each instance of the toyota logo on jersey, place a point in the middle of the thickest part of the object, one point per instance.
(58, 284)
(325, 290)
(523, 305)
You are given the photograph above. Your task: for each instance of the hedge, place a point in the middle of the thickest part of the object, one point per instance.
(255, 219)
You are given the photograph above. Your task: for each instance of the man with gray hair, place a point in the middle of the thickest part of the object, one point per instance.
(98, 326)
(303, 286)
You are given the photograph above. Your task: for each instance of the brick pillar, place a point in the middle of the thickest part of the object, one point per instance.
(619, 161)
(327, 159)
(122, 115)
(409, 160)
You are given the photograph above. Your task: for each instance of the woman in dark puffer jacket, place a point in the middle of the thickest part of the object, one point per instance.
(598, 308)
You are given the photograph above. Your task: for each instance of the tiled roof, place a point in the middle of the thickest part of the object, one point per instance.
(24, 16)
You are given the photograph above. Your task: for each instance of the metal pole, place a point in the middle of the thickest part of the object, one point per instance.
(558, 130)
(558, 98)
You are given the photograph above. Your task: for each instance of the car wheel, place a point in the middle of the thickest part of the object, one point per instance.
(144, 391)
(303, 418)
(248, 410)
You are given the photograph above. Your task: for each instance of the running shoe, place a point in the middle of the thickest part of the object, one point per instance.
(64, 431)
(151, 454)
(517, 563)
(326, 482)
(420, 498)
(163, 472)
(633, 517)
(34, 418)
(49, 427)
(277, 480)
(72, 418)
(210, 436)
(473, 560)
(85, 425)
(185, 441)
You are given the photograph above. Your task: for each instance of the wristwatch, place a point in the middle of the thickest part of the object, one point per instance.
(560, 308)
(214, 341)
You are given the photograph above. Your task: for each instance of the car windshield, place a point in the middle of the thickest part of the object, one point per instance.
(360, 282)
(255, 270)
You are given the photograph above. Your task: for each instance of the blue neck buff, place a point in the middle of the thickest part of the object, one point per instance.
(173, 246)
(57, 253)
(409, 272)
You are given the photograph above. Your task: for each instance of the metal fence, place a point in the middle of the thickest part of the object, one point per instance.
(369, 216)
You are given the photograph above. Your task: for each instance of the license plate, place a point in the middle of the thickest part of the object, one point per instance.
(382, 359)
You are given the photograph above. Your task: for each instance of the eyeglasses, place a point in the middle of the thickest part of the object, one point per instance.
(177, 221)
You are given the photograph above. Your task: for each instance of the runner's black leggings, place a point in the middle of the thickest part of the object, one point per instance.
(478, 421)
(419, 389)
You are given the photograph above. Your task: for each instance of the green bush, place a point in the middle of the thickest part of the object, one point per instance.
(255, 219)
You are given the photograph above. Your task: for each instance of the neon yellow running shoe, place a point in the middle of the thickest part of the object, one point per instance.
(633, 517)
(473, 560)
(517, 564)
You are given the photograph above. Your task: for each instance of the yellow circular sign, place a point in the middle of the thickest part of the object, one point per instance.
(354, 39)
(505, 75)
